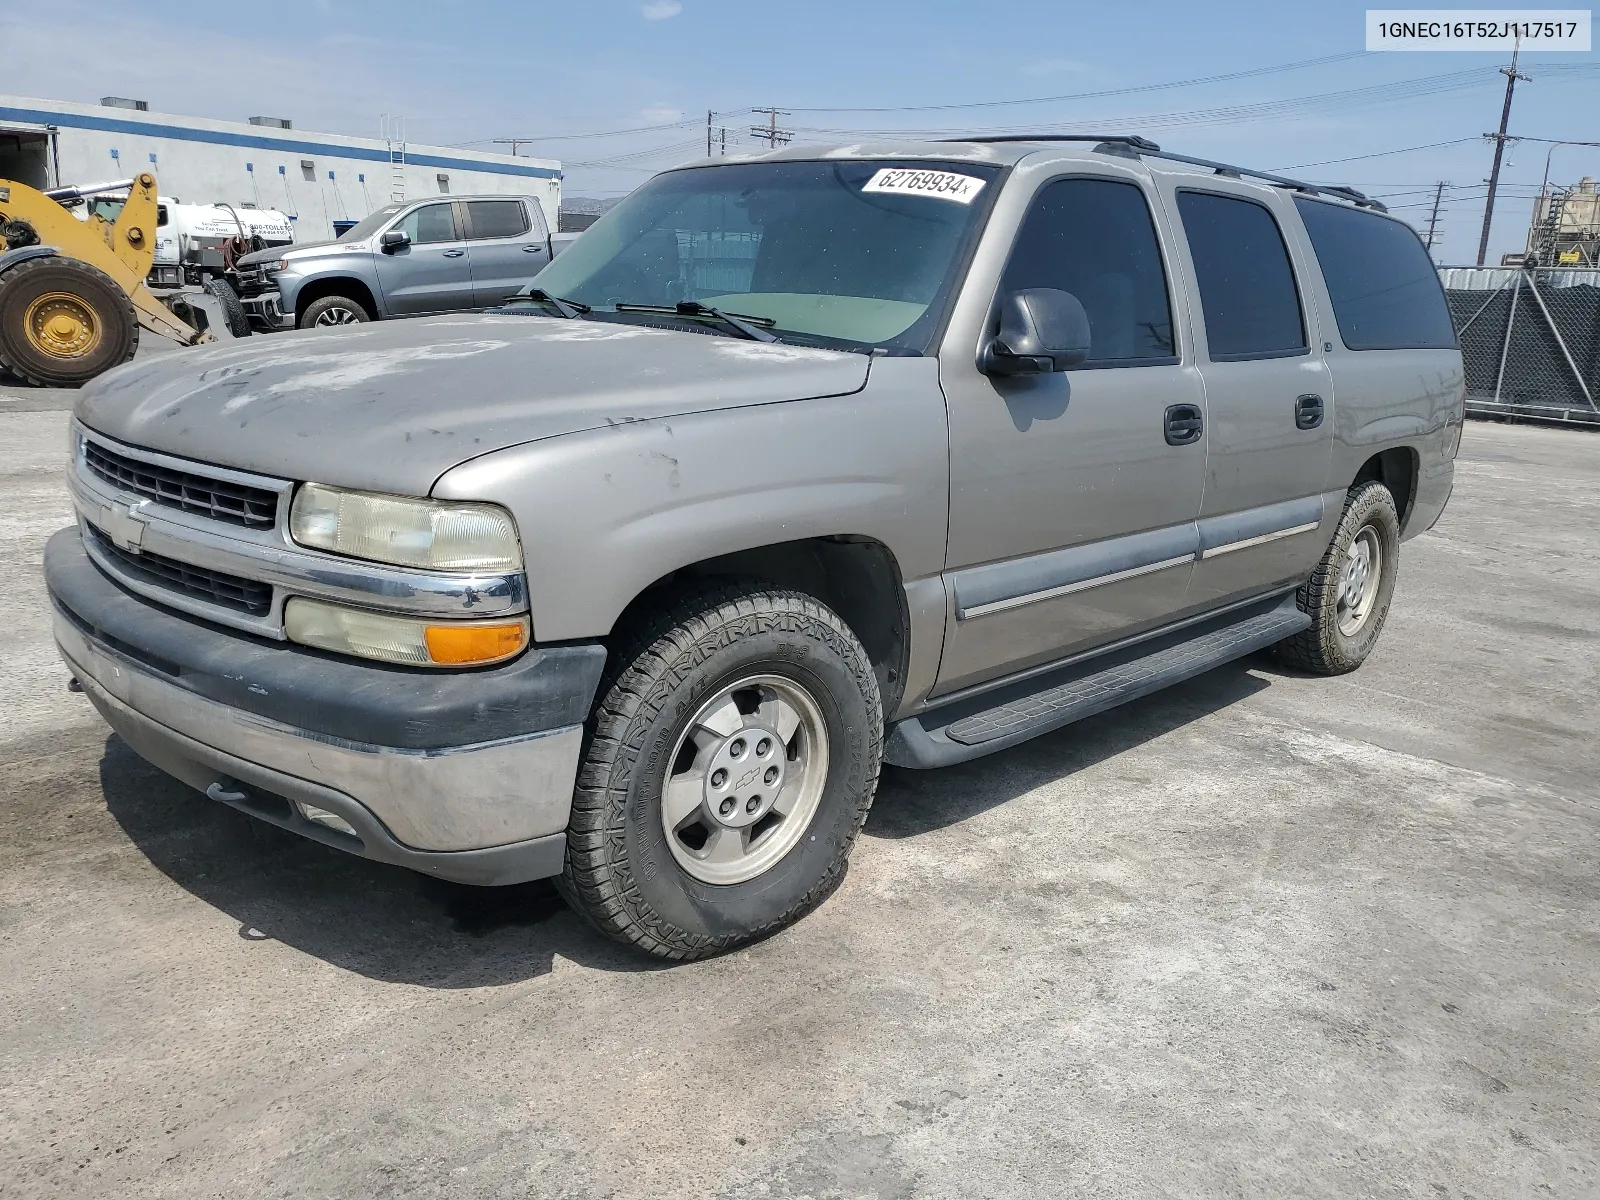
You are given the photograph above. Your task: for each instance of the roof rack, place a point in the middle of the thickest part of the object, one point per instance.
(1134, 146)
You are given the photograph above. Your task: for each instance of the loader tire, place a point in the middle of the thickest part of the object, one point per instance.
(62, 322)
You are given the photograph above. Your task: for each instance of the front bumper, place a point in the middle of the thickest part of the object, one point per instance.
(264, 312)
(465, 775)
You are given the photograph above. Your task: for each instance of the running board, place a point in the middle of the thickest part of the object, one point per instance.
(983, 724)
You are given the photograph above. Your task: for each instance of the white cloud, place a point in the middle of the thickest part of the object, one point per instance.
(660, 10)
(661, 114)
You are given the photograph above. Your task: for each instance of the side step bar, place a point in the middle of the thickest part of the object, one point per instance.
(980, 725)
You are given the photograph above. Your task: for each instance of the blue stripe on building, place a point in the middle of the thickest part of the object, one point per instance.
(250, 141)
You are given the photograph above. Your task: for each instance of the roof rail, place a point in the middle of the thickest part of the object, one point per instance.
(1133, 145)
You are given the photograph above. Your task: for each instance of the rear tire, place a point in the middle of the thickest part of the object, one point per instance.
(333, 310)
(729, 766)
(232, 310)
(63, 322)
(1347, 596)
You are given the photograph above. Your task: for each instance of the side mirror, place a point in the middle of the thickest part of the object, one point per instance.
(1041, 330)
(394, 239)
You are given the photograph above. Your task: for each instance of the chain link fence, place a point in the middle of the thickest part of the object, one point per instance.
(1530, 339)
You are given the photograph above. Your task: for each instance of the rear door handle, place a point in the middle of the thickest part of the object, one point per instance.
(454, 253)
(1307, 411)
(533, 249)
(1184, 424)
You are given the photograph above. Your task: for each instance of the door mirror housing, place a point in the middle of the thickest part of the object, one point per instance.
(1042, 330)
(394, 239)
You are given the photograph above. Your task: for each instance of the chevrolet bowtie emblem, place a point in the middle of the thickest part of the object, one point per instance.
(119, 523)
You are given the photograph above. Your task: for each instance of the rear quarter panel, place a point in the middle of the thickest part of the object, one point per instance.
(1387, 399)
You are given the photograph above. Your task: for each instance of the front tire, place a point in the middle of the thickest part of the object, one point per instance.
(333, 310)
(1347, 596)
(730, 765)
(227, 299)
(63, 322)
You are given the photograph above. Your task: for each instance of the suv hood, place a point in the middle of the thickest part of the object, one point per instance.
(392, 405)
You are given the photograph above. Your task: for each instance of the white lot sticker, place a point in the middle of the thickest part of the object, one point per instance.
(947, 185)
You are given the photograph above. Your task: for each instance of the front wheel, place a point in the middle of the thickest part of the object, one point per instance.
(63, 322)
(333, 310)
(731, 762)
(1347, 596)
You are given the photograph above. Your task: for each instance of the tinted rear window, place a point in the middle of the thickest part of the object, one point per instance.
(1247, 288)
(1385, 290)
(497, 218)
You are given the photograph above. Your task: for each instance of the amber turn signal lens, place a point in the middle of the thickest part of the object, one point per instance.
(462, 644)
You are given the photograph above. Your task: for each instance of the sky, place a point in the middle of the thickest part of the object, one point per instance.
(643, 73)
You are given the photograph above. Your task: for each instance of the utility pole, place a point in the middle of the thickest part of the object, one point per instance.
(724, 141)
(708, 132)
(770, 133)
(1433, 217)
(1500, 139)
(514, 143)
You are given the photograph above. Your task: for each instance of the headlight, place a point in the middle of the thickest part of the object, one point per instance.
(416, 643)
(434, 535)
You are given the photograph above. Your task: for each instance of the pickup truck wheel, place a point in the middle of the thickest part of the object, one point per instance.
(1348, 594)
(333, 310)
(730, 764)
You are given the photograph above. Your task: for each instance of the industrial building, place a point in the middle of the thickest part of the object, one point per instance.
(1566, 226)
(316, 179)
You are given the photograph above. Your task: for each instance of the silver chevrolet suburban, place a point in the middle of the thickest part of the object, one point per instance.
(791, 466)
(426, 256)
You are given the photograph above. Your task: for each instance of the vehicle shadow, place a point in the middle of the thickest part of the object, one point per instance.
(910, 802)
(380, 921)
(392, 924)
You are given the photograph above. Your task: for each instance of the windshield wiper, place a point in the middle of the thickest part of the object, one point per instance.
(567, 308)
(747, 326)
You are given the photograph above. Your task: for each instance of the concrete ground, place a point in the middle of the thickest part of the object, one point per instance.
(1264, 935)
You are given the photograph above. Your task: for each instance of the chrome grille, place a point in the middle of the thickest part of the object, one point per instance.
(235, 503)
(215, 587)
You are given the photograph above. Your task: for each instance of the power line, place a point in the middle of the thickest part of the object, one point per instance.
(770, 133)
(1124, 91)
(1328, 162)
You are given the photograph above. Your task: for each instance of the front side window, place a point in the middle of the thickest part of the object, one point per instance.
(1385, 291)
(430, 223)
(851, 254)
(1095, 239)
(1247, 288)
(496, 218)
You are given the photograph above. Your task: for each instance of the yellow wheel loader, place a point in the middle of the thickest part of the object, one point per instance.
(72, 292)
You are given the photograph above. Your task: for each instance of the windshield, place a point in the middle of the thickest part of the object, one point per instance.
(848, 254)
(370, 224)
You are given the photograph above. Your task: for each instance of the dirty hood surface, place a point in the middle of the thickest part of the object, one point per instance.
(392, 405)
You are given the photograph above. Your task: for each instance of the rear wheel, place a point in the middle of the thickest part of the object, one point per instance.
(333, 310)
(1347, 596)
(62, 322)
(732, 760)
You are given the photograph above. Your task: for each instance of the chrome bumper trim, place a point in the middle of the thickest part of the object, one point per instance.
(460, 798)
(268, 555)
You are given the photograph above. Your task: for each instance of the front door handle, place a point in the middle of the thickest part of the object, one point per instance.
(1307, 411)
(1184, 424)
(454, 253)
(533, 249)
